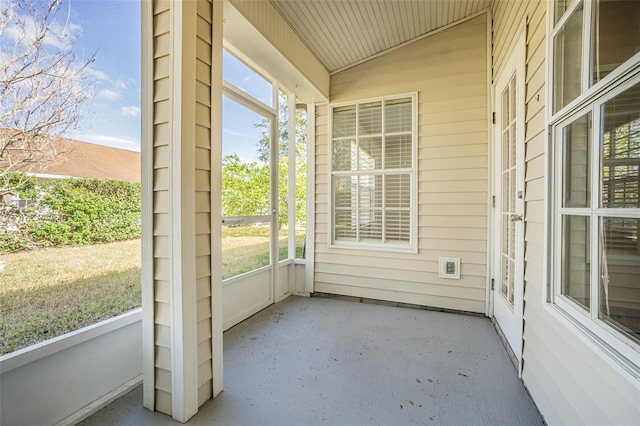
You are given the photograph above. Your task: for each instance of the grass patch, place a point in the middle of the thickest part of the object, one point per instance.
(246, 248)
(49, 292)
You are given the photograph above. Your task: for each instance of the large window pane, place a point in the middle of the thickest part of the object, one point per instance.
(370, 191)
(246, 172)
(370, 153)
(370, 119)
(301, 181)
(398, 116)
(345, 225)
(398, 191)
(621, 150)
(283, 176)
(345, 201)
(244, 78)
(344, 121)
(575, 259)
(567, 64)
(576, 160)
(398, 152)
(617, 35)
(370, 225)
(345, 155)
(397, 226)
(561, 7)
(246, 191)
(345, 191)
(620, 274)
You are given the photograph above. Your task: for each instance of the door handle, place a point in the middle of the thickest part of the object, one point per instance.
(516, 218)
(231, 221)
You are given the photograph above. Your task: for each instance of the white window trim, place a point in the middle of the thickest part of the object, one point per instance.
(588, 320)
(412, 247)
(622, 350)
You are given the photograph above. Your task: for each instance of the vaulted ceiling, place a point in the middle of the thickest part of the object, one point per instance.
(342, 33)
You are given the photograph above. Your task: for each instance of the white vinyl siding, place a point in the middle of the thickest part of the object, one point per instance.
(181, 110)
(373, 174)
(161, 130)
(449, 72)
(568, 377)
(204, 39)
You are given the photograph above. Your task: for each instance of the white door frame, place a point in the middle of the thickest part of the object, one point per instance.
(510, 323)
(270, 114)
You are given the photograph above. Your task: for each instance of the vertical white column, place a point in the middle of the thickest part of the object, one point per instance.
(184, 360)
(216, 198)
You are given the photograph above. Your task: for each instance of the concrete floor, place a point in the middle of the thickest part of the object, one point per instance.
(308, 361)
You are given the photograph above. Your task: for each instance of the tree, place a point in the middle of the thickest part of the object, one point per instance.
(283, 160)
(43, 84)
(245, 184)
(245, 187)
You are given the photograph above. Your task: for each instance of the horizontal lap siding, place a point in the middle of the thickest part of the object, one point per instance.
(161, 247)
(449, 72)
(571, 382)
(203, 199)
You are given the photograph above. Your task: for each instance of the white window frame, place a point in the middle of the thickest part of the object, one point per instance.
(614, 342)
(412, 245)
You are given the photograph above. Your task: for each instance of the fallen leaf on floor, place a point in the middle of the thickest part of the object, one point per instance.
(411, 402)
(462, 374)
(430, 381)
(418, 380)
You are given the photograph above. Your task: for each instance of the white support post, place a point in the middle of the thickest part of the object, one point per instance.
(311, 199)
(148, 333)
(292, 175)
(216, 197)
(184, 356)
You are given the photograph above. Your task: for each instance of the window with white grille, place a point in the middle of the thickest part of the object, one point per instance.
(594, 273)
(373, 172)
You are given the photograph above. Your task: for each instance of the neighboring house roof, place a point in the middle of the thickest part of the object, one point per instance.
(86, 160)
(97, 161)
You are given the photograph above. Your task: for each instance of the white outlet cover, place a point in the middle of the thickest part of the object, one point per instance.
(449, 267)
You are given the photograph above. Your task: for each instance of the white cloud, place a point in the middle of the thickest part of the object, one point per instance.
(130, 111)
(120, 84)
(97, 74)
(112, 141)
(233, 132)
(108, 94)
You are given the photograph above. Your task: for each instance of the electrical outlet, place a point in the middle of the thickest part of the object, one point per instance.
(449, 267)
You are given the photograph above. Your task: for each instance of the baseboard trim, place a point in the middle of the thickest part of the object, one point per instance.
(100, 403)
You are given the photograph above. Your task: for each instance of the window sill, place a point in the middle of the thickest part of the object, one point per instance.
(410, 249)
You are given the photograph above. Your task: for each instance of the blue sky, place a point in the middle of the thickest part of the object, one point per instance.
(111, 117)
(112, 28)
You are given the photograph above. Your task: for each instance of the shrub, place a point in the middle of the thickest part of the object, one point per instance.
(71, 212)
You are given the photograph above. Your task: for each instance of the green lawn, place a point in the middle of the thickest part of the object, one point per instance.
(247, 248)
(49, 292)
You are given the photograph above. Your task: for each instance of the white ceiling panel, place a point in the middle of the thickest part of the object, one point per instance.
(342, 33)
